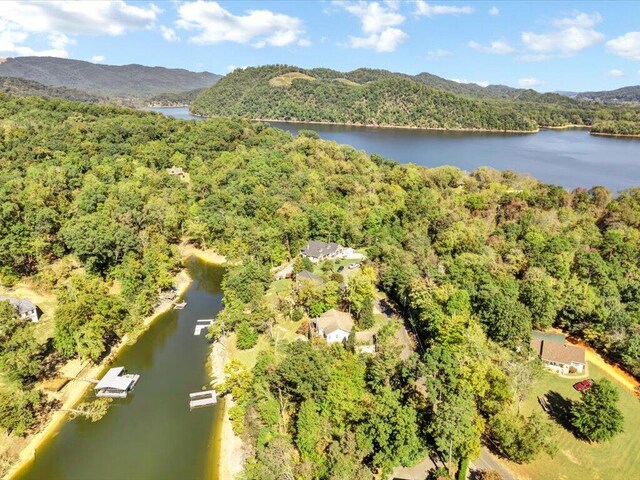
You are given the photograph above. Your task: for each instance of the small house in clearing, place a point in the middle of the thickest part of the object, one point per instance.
(175, 171)
(307, 276)
(317, 251)
(27, 310)
(335, 326)
(285, 272)
(559, 357)
(116, 383)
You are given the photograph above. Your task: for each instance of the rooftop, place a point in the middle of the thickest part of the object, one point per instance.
(334, 320)
(116, 380)
(23, 305)
(307, 275)
(319, 249)
(558, 352)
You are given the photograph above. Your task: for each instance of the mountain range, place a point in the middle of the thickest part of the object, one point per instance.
(119, 82)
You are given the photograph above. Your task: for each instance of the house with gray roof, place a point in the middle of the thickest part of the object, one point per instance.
(27, 310)
(559, 357)
(317, 251)
(307, 276)
(335, 326)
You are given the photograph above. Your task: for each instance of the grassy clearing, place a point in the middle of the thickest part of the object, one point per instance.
(578, 460)
(348, 82)
(287, 79)
(46, 301)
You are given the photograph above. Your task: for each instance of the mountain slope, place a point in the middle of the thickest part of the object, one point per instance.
(116, 81)
(379, 97)
(29, 88)
(621, 95)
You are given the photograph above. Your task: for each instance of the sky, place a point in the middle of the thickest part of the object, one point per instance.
(548, 46)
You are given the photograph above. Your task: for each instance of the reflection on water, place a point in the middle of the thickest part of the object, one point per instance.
(151, 435)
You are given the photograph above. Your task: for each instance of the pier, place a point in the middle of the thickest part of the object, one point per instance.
(201, 325)
(202, 399)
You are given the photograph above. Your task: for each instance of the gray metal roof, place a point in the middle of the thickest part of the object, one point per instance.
(317, 249)
(113, 379)
(23, 305)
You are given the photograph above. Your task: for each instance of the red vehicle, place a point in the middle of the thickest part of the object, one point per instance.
(583, 385)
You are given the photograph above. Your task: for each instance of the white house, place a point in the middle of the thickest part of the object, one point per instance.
(317, 251)
(334, 326)
(25, 308)
(559, 357)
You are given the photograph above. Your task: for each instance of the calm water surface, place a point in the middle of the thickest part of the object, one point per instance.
(571, 158)
(151, 435)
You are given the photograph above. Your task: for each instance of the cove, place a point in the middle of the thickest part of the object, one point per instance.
(570, 158)
(151, 435)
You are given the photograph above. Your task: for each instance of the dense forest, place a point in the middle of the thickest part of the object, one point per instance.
(378, 97)
(473, 261)
(28, 88)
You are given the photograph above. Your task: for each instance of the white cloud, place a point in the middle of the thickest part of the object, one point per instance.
(386, 41)
(580, 20)
(439, 53)
(373, 16)
(57, 20)
(169, 34)
(378, 22)
(627, 45)
(497, 47)
(97, 58)
(259, 28)
(483, 83)
(303, 42)
(494, 11)
(572, 35)
(529, 82)
(427, 10)
(615, 73)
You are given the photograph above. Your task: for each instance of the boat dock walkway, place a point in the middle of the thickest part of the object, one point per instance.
(201, 325)
(202, 399)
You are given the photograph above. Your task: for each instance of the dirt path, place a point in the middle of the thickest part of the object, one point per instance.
(622, 377)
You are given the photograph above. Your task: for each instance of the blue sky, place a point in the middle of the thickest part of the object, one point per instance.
(544, 45)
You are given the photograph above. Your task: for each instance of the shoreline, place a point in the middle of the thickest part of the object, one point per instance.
(370, 125)
(230, 450)
(619, 135)
(76, 391)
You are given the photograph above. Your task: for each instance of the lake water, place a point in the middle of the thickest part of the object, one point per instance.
(570, 158)
(151, 435)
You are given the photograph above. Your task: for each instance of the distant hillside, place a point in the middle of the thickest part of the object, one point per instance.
(179, 99)
(28, 88)
(625, 95)
(114, 81)
(379, 97)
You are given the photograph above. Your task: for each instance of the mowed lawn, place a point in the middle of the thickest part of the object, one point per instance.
(618, 459)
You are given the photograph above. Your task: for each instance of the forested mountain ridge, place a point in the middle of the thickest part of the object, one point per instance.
(27, 88)
(379, 97)
(624, 95)
(475, 261)
(115, 81)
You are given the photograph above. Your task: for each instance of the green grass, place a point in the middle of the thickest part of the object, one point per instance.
(579, 460)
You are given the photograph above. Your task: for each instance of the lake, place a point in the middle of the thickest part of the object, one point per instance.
(570, 158)
(151, 435)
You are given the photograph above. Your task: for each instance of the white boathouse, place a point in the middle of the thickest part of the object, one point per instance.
(116, 383)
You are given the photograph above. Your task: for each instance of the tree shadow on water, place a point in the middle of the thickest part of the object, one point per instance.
(559, 408)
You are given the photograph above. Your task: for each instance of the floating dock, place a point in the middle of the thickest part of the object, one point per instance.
(201, 325)
(180, 306)
(202, 399)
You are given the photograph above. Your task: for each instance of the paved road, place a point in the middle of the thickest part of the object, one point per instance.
(488, 461)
